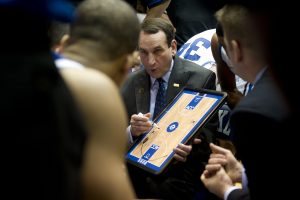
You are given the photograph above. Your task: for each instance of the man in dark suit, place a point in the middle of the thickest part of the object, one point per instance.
(257, 122)
(157, 48)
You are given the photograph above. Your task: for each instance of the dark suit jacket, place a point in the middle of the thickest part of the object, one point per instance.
(182, 179)
(136, 89)
(239, 194)
(257, 128)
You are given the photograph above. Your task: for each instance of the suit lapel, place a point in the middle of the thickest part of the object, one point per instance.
(178, 79)
(142, 91)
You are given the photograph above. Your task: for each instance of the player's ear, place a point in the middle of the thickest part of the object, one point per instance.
(64, 40)
(132, 60)
(120, 69)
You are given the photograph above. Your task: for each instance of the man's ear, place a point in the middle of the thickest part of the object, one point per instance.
(236, 51)
(174, 47)
(62, 43)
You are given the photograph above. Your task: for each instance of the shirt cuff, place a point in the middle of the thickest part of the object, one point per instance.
(129, 136)
(229, 190)
(244, 179)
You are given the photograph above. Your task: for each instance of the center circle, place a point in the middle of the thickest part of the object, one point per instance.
(172, 127)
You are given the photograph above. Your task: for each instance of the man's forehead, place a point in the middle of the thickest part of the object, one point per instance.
(152, 40)
(159, 35)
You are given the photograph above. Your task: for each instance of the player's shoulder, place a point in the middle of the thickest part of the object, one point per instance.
(88, 80)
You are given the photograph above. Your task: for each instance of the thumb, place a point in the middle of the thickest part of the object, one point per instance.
(147, 115)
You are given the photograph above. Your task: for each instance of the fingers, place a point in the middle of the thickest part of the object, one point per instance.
(222, 162)
(216, 155)
(208, 174)
(204, 175)
(179, 158)
(217, 149)
(182, 151)
(147, 115)
(140, 120)
(139, 117)
(218, 159)
(196, 141)
(138, 130)
(212, 168)
(141, 127)
(139, 124)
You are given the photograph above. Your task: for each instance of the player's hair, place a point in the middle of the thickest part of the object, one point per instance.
(112, 25)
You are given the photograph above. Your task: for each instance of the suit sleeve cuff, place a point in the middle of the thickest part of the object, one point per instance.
(229, 190)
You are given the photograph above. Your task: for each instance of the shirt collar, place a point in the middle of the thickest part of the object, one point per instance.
(259, 74)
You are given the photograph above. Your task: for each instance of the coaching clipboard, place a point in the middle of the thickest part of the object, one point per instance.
(178, 123)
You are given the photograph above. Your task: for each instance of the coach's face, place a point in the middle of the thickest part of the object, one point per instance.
(155, 54)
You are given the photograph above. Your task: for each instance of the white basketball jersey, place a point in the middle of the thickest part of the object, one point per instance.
(198, 50)
(241, 85)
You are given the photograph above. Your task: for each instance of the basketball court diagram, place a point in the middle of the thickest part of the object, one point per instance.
(178, 121)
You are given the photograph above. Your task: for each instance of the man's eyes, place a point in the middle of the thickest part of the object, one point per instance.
(157, 51)
(142, 51)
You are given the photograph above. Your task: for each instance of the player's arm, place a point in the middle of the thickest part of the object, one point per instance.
(158, 10)
(104, 174)
(225, 76)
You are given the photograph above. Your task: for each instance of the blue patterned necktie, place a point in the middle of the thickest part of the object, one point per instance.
(160, 102)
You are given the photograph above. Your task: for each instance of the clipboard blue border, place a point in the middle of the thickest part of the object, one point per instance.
(219, 96)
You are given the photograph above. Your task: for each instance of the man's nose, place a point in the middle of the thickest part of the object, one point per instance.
(151, 59)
